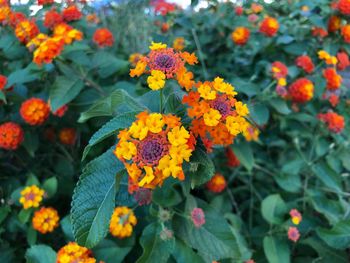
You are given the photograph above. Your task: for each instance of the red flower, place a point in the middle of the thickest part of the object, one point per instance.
(198, 217)
(15, 18)
(333, 79)
(11, 135)
(239, 10)
(103, 37)
(301, 90)
(343, 60)
(334, 121)
(217, 183)
(232, 160)
(305, 63)
(269, 26)
(344, 7)
(319, 32)
(163, 7)
(45, 2)
(52, 18)
(71, 13)
(334, 23)
(3, 81)
(279, 70)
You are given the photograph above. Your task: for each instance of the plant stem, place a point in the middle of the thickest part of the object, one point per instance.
(200, 53)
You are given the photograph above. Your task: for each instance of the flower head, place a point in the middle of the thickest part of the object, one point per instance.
(240, 35)
(343, 60)
(293, 234)
(26, 30)
(45, 220)
(31, 196)
(333, 79)
(71, 13)
(217, 183)
(295, 216)
(163, 7)
(198, 217)
(45, 2)
(301, 90)
(330, 60)
(344, 7)
(103, 37)
(48, 50)
(67, 33)
(269, 26)
(345, 32)
(239, 10)
(319, 32)
(122, 222)
(152, 149)
(52, 18)
(11, 136)
(305, 63)
(179, 44)
(15, 18)
(72, 252)
(134, 58)
(279, 70)
(334, 23)
(157, 80)
(61, 111)
(34, 111)
(334, 121)
(67, 136)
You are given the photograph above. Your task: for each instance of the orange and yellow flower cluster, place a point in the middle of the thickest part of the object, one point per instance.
(34, 111)
(45, 220)
(217, 183)
(153, 148)
(72, 252)
(11, 136)
(122, 222)
(31, 196)
(335, 122)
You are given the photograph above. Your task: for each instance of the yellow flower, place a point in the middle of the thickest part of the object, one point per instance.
(180, 153)
(179, 43)
(282, 82)
(296, 220)
(178, 136)
(212, 117)
(139, 69)
(45, 220)
(149, 176)
(157, 80)
(330, 60)
(241, 109)
(206, 92)
(133, 171)
(138, 130)
(125, 150)
(155, 122)
(31, 196)
(122, 222)
(235, 125)
(223, 87)
(157, 46)
(169, 167)
(250, 133)
(72, 252)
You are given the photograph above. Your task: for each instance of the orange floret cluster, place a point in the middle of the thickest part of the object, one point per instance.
(72, 252)
(103, 37)
(31, 196)
(26, 30)
(343, 60)
(48, 50)
(179, 44)
(335, 122)
(45, 2)
(334, 23)
(217, 117)
(333, 79)
(165, 63)
(240, 35)
(305, 63)
(45, 220)
(269, 26)
(153, 148)
(345, 32)
(217, 183)
(301, 90)
(71, 13)
(122, 222)
(344, 7)
(68, 136)
(279, 70)
(11, 136)
(34, 111)
(319, 32)
(52, 18)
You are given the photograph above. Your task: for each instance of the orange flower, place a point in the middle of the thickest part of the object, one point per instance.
(66, 32)
(334, 121)
(279, 70)
(333, 79)
(45, 2)
(5, 12)
(52, 18)
(344, 7)
(319, 32)
(72, 252)
(3, 81)
(11, 136)
(26, 30)
(71, 13)
(15, 18)
(269, 26)
(68, 136)
(256, 8)
(185, 79)
(305, 63)
(103, 37)
(301, 90)
(190, 58)
(343, 61)
(334, 23)
(92, 18)
(179, 44)
(61, 111)
(345, 32)
(45, 220)
(34, 111)
(240, 35)
(217, 183)
(48, 50)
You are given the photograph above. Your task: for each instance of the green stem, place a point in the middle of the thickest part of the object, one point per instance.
(200, 53)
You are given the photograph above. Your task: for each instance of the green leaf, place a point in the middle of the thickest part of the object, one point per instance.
(107, 64)
(50, 186)
(260, 113)
(288, 182)
(111, 251)
(280, 106)
(21, 76)
(244, 154)
(285, 39)
(40, 254)
(276, 250)
(24, 215)
(112, 127)
(4, 211)
(31, 236)
(273, 208)
(94, 199)
(66, 226)
(3, 96)
(111, 105)
(63, 91)
(338, 237)
(201, 168)
(185, 254)
(168, 195)
(214, 240)
(328, 176)
(154, 248)
(331, 209)
(31, 142)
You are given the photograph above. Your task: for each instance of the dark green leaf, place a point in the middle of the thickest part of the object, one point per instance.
(273, 209)
(40, 254)
(276, 250)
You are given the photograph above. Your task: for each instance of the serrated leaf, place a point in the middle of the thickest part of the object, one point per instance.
(202, 168)
(107, 64)
(63, 91)
(276, 250)
(40, 254)
(112, 127)
(273, 208)
(337, 237)
(111, 105)
(154, 248)
(185, 254)
(94, 200)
